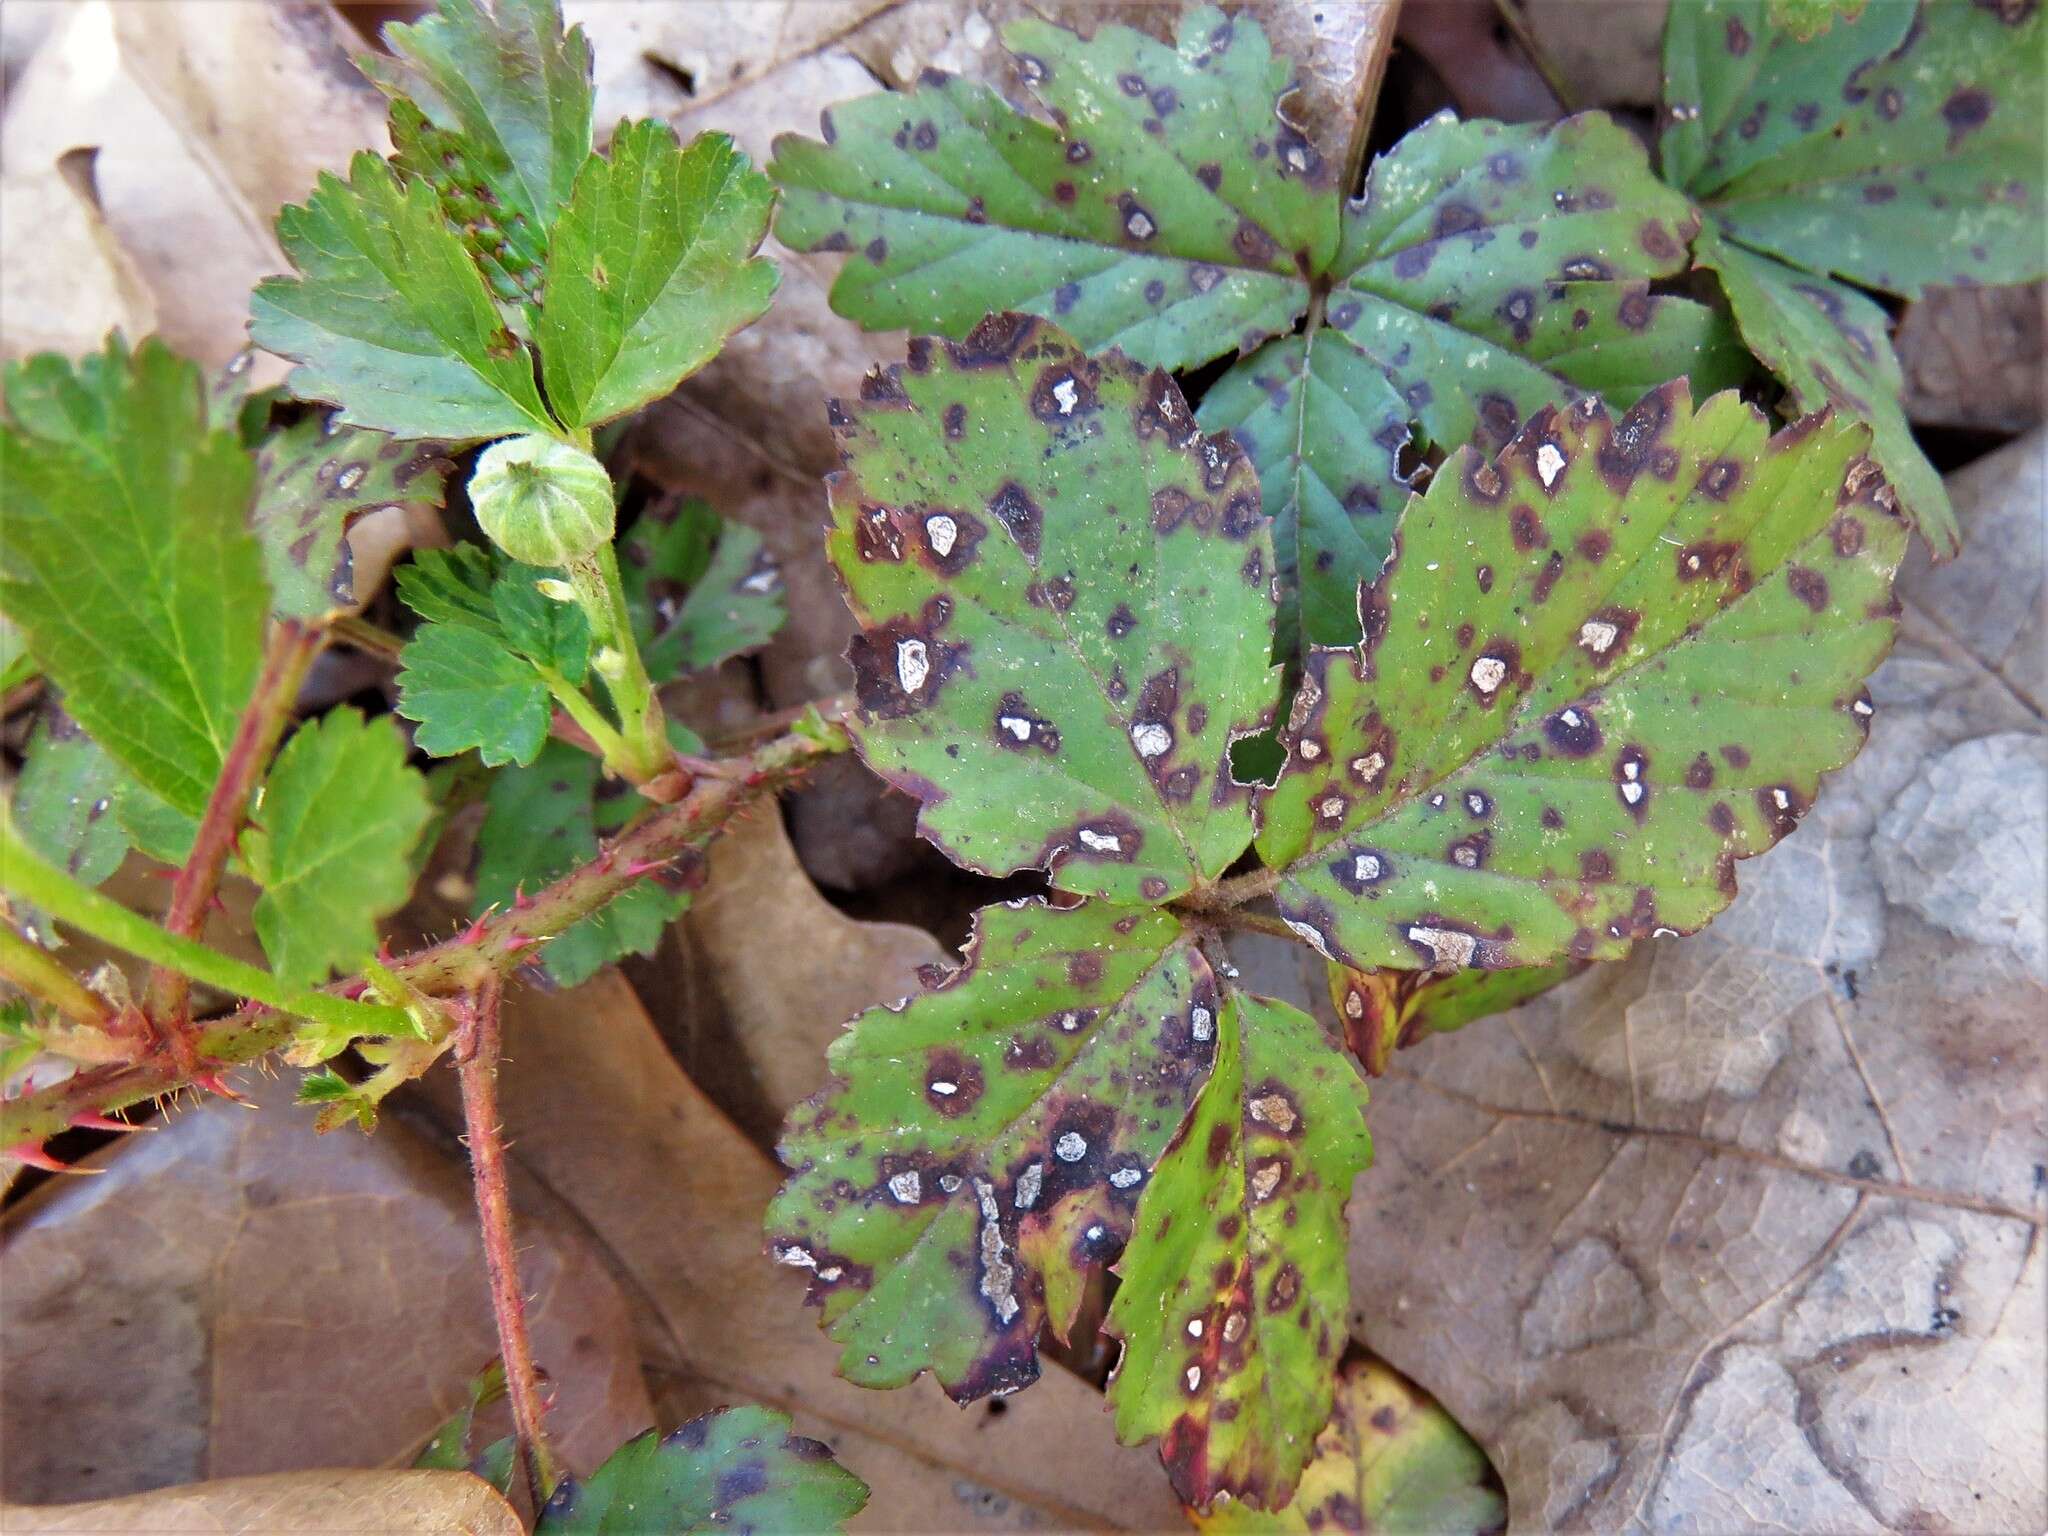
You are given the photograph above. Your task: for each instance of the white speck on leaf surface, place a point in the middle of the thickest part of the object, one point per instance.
(913, 664)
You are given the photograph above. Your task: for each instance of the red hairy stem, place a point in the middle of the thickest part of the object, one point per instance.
(496, 946)
(476, 1062)
(288, 652)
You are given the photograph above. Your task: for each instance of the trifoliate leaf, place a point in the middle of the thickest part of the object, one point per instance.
(1741, 90)
(1390, 1460)
(1177, 214)
(1924, 165)
(1043, 1079)
(314, 479)
(492, 105)
(1598, 669)
(64, 800)
(466, 690)
(547, 632)
(653, 267)
(127, 537)
(700, 589)
(390, 318)
(1829, 344)
(1064, 589)
(340, 813)
(1383, 1011)
(1233, 1292)
(540, 823)
(736, 1470)
(1489, 271)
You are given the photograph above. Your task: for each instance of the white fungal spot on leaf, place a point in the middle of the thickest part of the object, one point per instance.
(913, 664)
(907, 1187)
(1100, 842)
(1071, 1147)
(1365, 867)
(1194, 1327)
(1598, 636)
(1201, 1023)
(1029, 1183)
(1124, 1178)
(1313, 935)
(1194, 1378)
(1233, 1327)
(998, 1275)
(1067, 395)
(1488, 672)
(1151, 738)
(1016, 725)
(1370, 766)
(1447, 945)
(1550, 463)
(796, 1256)
(941, 532)
(1274, 1110)
(1265, 1179)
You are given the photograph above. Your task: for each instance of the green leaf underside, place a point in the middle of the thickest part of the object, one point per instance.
(390, 318)
(494, 107)
(1066, 605)
(1488, 271)
(1831, 346)
(1176, 216)
(1896, 170)
(1390, 1460)
(541, 822)
(736, 1470)
(126, 523)
(1598, 669)
(989, 1144)
(1233, 1290)
(465, 690)
(700, 589)
(313, 480)
(652, 268)
(63, 801)
(340, 813)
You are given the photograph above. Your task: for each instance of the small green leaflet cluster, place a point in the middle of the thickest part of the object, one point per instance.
(1174, 212)
(1897, 148)
(1600, 664)
(134, 504)
(495, 654)
(739, 1470)
(497, 276)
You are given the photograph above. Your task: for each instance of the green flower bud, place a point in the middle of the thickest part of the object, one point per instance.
(542, 501)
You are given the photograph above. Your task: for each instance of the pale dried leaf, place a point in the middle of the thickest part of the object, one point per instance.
(64, 280)
(288, 1504)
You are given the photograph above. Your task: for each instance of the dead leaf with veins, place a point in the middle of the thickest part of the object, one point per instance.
(287, 1503)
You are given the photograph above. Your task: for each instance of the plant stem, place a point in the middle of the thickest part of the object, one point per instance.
(476, 1063)
(1228, 895)
(30, 967)
(494, 946)
(645, 728)
(289, 650)
(587, 717)
(44, 885)
(353, 629)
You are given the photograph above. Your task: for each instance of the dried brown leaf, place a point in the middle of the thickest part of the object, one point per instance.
(288, 1503)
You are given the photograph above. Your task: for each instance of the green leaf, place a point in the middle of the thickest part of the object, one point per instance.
(126, 536)
(1740, 91)
(1597, 670)
(493, 106)
(154, 826)
(1390, 1460)
(652, 268)
(466, 690)
(313, 480)
(453, 1447)
(540, 823)
(340, 813)
(390, 318)
(1383, 1011)
(739, 1469)
(1806, 19)
(451, 586)
(1044, 1077)
(1830, 346)
(1933, 173)
(1175, 217)
(1065, 597)
(1489, 271)
(63, 801)
(550, 634)
(700, 589)
(1233, 1292)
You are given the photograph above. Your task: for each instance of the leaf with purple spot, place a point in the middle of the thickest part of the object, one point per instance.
(1175, 215)
(1233, 1289)
(1489, 271)
(1066, 608)
(733, 1471)
(1598, 668)
(958, 1132)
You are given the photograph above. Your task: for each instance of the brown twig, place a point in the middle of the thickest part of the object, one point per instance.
(289, 650)
(492, 946)
(476, 1063)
